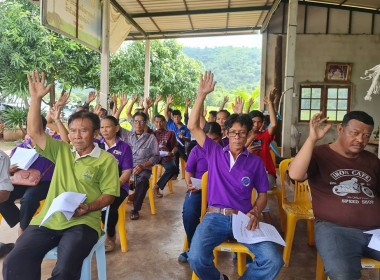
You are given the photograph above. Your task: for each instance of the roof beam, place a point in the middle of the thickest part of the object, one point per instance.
(269, 15)
(201, 12)
(199, 31)
(128, 17)
(338, 6)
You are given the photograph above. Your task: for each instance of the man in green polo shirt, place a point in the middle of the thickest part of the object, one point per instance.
(81, 167)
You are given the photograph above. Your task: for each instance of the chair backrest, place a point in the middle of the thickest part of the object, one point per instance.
(284, 166)
(104, 229)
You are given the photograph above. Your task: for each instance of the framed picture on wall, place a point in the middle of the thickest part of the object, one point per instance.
(338, 72)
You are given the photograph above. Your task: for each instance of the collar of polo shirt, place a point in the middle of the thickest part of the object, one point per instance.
(95, 153)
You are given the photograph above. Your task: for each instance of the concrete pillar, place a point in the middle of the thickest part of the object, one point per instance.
(105, 55)
(147, 69)
(289, 76)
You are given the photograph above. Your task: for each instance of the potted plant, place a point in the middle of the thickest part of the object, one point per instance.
(14, 120)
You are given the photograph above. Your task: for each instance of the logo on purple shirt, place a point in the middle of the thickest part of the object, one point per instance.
(245, 181)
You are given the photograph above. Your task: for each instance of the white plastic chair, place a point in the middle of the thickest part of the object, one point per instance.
(98, 248)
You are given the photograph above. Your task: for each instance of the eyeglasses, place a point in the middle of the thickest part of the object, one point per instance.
(234, 133)
(140, 122)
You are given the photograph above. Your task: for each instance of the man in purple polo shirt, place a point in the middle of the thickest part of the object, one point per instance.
(233, 173)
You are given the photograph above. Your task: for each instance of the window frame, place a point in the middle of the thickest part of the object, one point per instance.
(324, 98)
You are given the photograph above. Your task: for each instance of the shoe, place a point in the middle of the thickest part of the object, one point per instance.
(183, 257)
(5, 248)
(110, 244)
(225, 277)
(134, 215)
(156, 191)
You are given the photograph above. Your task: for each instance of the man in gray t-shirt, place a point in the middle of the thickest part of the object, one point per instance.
(5, 183)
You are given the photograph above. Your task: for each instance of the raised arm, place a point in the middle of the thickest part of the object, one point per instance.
(55, 113)
(123, 99)
(129, 109)
(238, 106)
(272, 114)
(250, 103)
(169, 100)
(299, 165)
(206, 85)
(225, 100)
(148, 105)
(155, 107)
(91, 97)
(37, 91)
(114, 108)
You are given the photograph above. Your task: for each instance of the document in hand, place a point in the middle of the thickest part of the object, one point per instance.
(374, 243)
(66, 203)
(24, 158)
(197, 183)
(266, 232)
(163, 153)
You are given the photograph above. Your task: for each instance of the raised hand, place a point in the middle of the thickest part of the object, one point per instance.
(188, 102)
(316, 131)
(141, 102)
(169, 99)
(238, 106)
(250, 102)
(97, 109)
(123, 99)
(206, 84)
(55, 112)
(158, 99)
(114, 99)
(272, 97)
(91, 97)
(134, 99)
(148, 103)
(37, 87)
(63, 99)
(225, 100)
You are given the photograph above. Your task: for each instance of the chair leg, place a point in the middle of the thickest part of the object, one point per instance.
(185, 245)
(183, 163)
(215, 258)
(122, 230)
(86, 268)
(310, 232)
(161, 168)
(151, 200)
(241, 263)
(100, 254)
(170, 184)
(289, 235)
(194, 276)
(154, 173)
(320, 274)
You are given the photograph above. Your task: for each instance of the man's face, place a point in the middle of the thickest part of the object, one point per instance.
(354, 137)
(177, 119)
(211, 118)
(139, 124)
(82, 134)
(238, 140)
(221, 117)
(160, 124)
(257, 123)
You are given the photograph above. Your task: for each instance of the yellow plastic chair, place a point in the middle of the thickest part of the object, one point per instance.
(121, 226)
(299, 209)
(320, 274)
(150, 195)
(183, 164)
(170, 183)
(227, 246)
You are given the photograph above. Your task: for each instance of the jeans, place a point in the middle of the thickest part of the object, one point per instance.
(214, 229)
(191, 213)
(74, 245)
(171, 169)
(113, 215)
(341, 249)
(141, 187)
(29, 203)
(272, 184)
(181, 153)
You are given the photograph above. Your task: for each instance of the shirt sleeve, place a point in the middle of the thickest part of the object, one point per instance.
(155, 158)
(109, 178)
(155, 110)
(5, 182)
(261, 177)
(187, 132)
(191, 164)
(127, 159)
(52, 148)
(186, 116)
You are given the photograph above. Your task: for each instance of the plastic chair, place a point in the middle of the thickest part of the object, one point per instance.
(300, 208)
(320, 274)
(227, 246)
(183, 164)
(121, 226)
(151, 197)
(99, 251)
(170, 183)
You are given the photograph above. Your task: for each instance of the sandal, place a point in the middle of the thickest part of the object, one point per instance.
(156, 191)
(134, 215)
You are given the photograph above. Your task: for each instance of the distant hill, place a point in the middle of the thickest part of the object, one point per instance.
(233, 67)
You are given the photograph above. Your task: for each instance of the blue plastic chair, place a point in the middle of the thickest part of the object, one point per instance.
(98, 248)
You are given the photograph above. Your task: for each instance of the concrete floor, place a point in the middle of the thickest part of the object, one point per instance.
(155, 241)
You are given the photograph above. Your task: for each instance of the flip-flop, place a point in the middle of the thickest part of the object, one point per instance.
(134, 215)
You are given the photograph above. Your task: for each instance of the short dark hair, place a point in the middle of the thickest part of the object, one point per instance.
(177, 113)
(142, 114)
(256, 113)
(170, 110)
(115, 122)
(225, 111)
(104, 110)
(94, 118)
(359, 116)
(213, 128)
(243, 119)
(213, 113)
(160, 117)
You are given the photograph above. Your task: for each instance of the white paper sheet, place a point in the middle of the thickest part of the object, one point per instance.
(24, 158)
(163, 153)
(266, 232)
(66, 203)
(197, 183)
(374, 243)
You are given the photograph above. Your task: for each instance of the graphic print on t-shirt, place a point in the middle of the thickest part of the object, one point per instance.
(353, 187)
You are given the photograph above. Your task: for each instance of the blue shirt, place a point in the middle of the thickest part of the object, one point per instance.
(183, 129)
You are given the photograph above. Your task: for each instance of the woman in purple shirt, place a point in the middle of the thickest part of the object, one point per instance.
(112, 143)
(196, 166)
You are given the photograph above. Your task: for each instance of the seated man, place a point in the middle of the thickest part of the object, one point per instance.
(345, 185)
(81, 168)
(233, 173)
(145, 155)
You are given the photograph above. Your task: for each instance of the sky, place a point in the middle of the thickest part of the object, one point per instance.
(251, 41)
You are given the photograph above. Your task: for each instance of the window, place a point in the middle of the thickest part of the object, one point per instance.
(332, 100)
